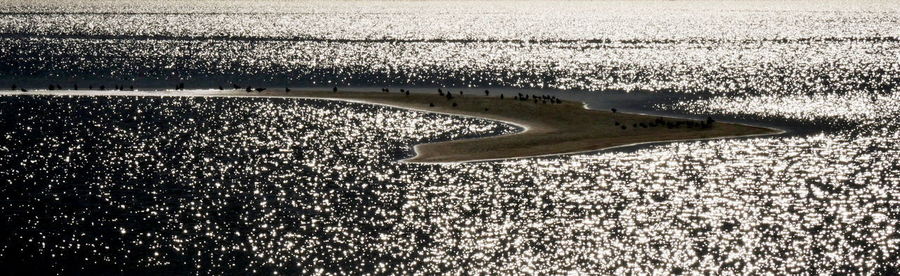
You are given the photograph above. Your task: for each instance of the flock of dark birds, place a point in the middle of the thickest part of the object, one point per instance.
(520, 97)
(53, 87)
(179, 87)
(659, 122)
(449, 95)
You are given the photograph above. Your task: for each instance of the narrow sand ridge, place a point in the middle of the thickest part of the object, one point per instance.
(549, 127)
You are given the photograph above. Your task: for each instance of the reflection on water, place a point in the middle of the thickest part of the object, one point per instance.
(178, 184)
(228, 185)
(174, 185)
(726, 49)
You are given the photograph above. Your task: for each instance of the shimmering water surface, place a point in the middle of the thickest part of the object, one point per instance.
(235, 185)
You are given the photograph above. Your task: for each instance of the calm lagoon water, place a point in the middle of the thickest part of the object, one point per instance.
(197, 185)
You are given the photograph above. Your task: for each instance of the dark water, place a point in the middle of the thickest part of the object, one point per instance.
(178, 185)
(200, 185)
(807, 60)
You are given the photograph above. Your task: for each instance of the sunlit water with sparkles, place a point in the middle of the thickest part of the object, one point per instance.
(205, 184)
(746, 49)
(161, 185)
